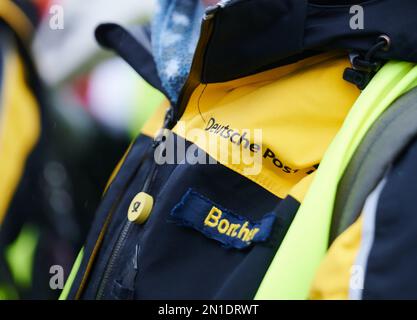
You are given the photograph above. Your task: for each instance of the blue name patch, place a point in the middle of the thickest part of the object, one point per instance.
(215, 222)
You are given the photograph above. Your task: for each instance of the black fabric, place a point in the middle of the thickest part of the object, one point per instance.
(254, 35)
(27, 203)
(249, 35)
(27, 197)
(123, 42)
(253, 268)
(392, 263)
(176, 262)
(133, 161)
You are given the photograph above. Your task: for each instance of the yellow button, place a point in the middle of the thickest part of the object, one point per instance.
(140, 208)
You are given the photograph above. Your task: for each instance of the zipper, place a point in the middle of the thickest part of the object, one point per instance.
(125, 232)
(172, 116)
(115, 253)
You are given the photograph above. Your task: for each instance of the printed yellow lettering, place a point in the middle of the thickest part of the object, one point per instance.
(233, 230)
(252, 234)
(226, 227)
(244, 232)
(212, 220)
(223, 226)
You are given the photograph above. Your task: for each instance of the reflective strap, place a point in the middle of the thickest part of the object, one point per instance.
(293, 269)
(71, 277)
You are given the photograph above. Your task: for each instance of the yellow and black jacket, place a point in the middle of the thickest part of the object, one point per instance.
(21, 145)
(45, 172)
(186, 230)
(20, 111)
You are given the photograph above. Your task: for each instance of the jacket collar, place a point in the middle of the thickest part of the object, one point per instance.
(250, 36)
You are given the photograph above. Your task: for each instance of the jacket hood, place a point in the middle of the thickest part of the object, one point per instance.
(250, 36)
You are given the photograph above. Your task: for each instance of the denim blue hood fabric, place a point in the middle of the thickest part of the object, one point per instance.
(175, 32)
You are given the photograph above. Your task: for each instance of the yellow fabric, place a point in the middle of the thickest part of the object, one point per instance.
(16, 18)
(333, 277)
(299, 108)
(297, 124)
(19, 128)
(300, 189)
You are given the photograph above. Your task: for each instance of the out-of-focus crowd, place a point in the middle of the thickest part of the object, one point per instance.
(68, 111)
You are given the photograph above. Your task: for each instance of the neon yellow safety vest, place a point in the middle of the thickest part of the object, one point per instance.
(292, 271)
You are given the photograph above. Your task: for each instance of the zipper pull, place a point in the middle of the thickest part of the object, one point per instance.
(125, 289)
(136, 257)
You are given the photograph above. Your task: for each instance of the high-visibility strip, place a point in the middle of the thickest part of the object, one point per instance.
(343, 269)
(16, 18)
(71, 277)
(292, 271)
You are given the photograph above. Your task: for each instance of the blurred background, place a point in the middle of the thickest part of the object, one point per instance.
(68, 112)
